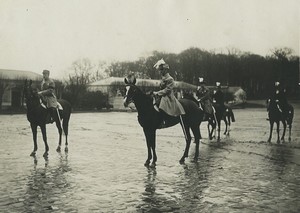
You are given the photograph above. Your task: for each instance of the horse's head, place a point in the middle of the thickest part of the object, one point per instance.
(31, 94)
(131, 90)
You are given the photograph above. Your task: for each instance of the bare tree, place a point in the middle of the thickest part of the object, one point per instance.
(3, 86)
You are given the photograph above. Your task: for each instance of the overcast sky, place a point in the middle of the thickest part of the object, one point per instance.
(51, 34)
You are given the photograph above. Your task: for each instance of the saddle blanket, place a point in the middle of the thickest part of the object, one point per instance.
(59, 106)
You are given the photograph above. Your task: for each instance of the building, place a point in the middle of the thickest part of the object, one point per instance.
(114, 87)
(11, 86)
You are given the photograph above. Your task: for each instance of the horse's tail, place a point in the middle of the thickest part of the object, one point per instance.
(231, 115)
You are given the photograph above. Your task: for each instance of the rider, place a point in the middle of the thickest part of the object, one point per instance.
(47, 95)
(279, 96)
(204, 99)
(218, 97)
(167, 102)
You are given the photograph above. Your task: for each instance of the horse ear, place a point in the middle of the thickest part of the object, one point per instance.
(134, 81)
(125, 80)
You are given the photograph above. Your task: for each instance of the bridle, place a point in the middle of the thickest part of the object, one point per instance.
(131, 97)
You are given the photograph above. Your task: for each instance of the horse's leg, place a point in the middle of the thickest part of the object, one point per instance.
(196, 133)
(284, 129)
(34, 135)
(219, 129)
(226, 125)
(271, 130)
(153, 136)
(209, 132)
(44, 133)
(229, 124)
(187, 143)
(278, 126)
(66, 131)
(58, 125)
(148, 141)
(290, 132)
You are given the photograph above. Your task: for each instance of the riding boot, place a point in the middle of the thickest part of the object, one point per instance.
(50, 115)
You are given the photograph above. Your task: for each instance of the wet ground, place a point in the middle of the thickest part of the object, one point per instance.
(103, 170)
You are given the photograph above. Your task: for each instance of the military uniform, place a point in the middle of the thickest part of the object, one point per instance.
(47, 93)
(218, 98)
(204, 98)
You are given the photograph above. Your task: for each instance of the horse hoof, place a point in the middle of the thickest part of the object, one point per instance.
(32, 154)
(181, 161)
(58, 149)
(45, 154)
(147, 163)
(153, 165)
(66, 149)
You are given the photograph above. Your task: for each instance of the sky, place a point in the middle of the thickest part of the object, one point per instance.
(52, 34)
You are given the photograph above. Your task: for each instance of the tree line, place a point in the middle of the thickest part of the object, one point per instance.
(254, 73)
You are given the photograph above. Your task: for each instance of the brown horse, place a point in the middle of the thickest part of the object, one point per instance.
(37, 114)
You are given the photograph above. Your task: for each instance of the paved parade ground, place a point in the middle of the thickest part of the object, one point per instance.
(104, 172)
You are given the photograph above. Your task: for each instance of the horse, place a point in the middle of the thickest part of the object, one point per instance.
(276, 115)
(289, 119)
(149, 119)
(37, 116)
(227, 117)
(213, 120)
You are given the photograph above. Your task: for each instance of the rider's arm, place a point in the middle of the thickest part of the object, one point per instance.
(168, 89)
(49, 90)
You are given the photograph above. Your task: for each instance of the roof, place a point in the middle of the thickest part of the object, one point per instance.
(140, 82)
(19, 74)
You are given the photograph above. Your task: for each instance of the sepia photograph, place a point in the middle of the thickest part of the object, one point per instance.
(149, 106)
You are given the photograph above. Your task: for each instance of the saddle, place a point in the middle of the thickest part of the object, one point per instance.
(59, 106)
(165, 119)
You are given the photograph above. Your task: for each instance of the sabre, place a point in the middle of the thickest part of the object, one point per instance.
(60, 121)
(183, 127)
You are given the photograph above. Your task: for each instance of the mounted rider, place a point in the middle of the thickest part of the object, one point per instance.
(204, 99)
(279, 97)
(218, 97)
(166, 101)
(47, 95)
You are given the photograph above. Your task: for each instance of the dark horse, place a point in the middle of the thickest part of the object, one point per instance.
(227, 117)
(150, 120)
(276, 116)
(37, 114)
(213, 120)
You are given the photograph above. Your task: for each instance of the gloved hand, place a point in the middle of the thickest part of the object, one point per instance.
(155, 93)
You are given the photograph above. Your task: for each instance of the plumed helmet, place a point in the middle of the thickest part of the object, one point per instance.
(277, 83)
(218, 84)
(201, 81)
(160, 63)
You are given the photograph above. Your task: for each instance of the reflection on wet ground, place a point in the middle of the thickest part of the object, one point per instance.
(103, 170)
